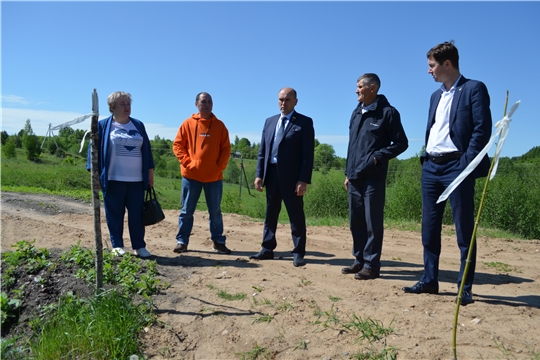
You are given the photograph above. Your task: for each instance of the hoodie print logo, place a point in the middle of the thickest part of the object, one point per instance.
(204, 134)
(128, 143)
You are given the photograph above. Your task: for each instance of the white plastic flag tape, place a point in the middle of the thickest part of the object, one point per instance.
(95, 112)
(502, 131)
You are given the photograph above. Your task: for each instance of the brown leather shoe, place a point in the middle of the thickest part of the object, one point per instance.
(353, 269)
(180, 248)
(367, 274)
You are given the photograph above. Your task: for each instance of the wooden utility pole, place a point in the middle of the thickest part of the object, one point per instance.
(94, 170)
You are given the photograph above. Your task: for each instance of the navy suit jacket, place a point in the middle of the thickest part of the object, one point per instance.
(295, 152)
(470, 122)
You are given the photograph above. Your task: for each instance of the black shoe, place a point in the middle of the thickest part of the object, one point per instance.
(421, 288)
(180, 248)
(367, 274)
(263, 255)
(466, 298)
(221, 248)
(298, 260)
(353, 269)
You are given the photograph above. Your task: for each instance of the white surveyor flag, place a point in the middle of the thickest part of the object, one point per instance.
(502, 130)
(95, 112)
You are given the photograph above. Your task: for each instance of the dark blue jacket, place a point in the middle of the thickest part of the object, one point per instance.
(104, 157)
(374, 134)
(470, 122)
(295, 151)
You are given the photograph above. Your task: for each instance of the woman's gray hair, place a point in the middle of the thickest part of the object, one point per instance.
(113, 99)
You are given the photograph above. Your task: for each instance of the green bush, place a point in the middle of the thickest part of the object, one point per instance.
(231, 203)
(403, 193)
(327, 198)
(232, 173)
(9, 149)
(31, 146)
(513, 201)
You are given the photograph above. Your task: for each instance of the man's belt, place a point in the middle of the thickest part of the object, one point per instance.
(444, 158)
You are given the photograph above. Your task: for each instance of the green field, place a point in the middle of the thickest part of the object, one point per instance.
(510, 209)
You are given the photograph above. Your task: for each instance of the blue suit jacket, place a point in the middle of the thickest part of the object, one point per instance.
(295, 153)
(470, 122)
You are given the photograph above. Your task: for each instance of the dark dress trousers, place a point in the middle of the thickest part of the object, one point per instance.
(470, 129)
(295, 163)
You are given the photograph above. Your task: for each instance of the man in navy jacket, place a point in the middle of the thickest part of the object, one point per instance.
(375, 136)
(459, 127)
(284, 166)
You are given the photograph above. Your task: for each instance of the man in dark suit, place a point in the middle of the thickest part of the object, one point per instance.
(459, 127)
(284, 166)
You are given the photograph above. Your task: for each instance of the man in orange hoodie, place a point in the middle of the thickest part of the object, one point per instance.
(203, 148)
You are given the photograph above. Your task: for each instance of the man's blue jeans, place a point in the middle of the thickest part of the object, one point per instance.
(191, 191)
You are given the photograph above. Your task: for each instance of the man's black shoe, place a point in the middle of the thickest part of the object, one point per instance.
(353, 269)
(421, 288)
(298, 260)
(263, 255)
(221, 248)
(367, 274)
(466, 298)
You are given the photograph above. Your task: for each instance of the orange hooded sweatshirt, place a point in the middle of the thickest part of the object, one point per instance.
(203, 148)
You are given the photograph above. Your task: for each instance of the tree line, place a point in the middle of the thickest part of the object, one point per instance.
(68, 140)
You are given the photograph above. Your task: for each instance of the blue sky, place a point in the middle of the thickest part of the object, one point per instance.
(55, 53)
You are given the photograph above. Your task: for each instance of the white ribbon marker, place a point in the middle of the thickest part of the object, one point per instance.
(502, 130)
(95, 112)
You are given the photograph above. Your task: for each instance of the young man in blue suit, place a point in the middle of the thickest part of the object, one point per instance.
(459, 127)
(284, 166)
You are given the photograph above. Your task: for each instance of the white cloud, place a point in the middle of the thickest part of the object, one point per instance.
(14, 99)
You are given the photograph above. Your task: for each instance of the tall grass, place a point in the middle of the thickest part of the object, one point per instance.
(102, 327)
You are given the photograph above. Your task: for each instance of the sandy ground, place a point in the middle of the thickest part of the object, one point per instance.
(196, 323)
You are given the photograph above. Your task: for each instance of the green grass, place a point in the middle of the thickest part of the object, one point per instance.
(302, 345)
(325, 202)
(263, 318)
(258, 352)
(285, 306)
(372, 331)
(102, 326)
(501, 267)
(369, 329)
(225, 295)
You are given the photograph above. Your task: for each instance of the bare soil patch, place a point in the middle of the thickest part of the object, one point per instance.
(195, 323)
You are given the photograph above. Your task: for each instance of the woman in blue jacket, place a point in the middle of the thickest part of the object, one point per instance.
(126, 170)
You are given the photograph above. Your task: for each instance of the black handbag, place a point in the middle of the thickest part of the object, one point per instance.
(152, 212)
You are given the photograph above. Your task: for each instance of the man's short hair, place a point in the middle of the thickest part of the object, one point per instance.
(202, 93)
(370, 79)
(445, 51)
(115, 96)
(293, 91)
